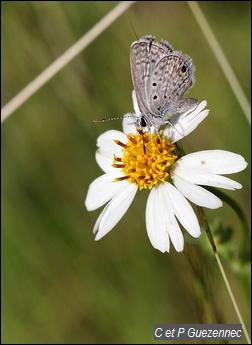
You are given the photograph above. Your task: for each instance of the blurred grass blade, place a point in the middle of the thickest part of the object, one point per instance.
(220, 56)
(64, 59)
(244, 329)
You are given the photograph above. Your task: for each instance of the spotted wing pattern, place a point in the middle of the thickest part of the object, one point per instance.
(161, 76)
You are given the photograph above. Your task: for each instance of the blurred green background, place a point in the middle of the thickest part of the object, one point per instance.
(58, 284)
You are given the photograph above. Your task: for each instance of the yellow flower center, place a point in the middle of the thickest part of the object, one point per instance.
(146, 159)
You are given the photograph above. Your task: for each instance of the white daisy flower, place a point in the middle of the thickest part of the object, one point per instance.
(133, 160)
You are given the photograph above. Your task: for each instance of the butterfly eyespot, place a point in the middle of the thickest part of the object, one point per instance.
(154, 84)
(183, 68)
(155, 97)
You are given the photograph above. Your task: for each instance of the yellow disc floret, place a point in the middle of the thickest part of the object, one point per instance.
(146, 159)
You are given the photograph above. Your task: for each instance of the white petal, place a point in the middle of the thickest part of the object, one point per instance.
(184, 124)
(106, 140)
(155, 223)
(214, 161)
(107, 148)
(114, 211)
(206, 179)
(128, 123)
(196, 194)
(165, 203)
(172, 225)
(105, 160)
(202, 168)
(183, 211)
(190, 123)
(102, 189)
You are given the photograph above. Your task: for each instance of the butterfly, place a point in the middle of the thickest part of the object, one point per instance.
(160, 76)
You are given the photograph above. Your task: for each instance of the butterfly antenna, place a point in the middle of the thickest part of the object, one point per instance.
(132, 27)
(110, 119)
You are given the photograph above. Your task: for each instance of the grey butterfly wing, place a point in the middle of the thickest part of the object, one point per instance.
(171, 78)
(144, 57)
